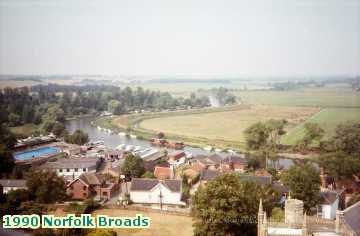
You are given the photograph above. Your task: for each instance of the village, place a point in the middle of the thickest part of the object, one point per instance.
(170, 177)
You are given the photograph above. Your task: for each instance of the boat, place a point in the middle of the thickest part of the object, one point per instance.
(132, 136)
(218, 150)
(208, 148)
(129, 148)
(121, 147)
(121, 134)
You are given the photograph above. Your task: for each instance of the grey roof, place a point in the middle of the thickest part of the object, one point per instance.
(213, 159)
(209, 174)
(352, 216)
(280, 187)
(236, 159)
(173, 185)
(328, 197)
(263, 180)
(13, 183)
(71, 163)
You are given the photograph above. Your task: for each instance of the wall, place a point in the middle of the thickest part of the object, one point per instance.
(153, 196)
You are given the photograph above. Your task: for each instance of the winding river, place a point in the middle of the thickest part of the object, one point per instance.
(113, 140)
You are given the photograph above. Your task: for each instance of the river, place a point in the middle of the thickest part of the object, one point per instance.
(114, 140)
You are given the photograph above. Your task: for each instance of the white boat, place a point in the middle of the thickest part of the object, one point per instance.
(121, 146)
(218, 150)
(99, 128)
(129, 148)
(137, 148)
(122, 134)
(132, 136)
(208, 148)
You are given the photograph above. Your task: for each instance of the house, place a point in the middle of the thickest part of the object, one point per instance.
(209, 162)
(71, 168)
(161, 172)
(112, 154)
(91, 185)
(329, 203)
(349, 220)
(153, 191)
(235, 163)
(176, 158)
(207, 175)
(193, 170)
(7, 185)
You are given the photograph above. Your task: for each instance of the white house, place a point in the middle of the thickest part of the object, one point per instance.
(12, 184)
(153, 191)
(73, 167)
(328, 205)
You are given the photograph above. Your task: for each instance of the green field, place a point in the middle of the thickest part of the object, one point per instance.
(315, 97)
(161, 224)
(217, 127)
(328, 119)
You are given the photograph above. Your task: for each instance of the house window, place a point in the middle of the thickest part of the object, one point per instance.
(60, 170)
(84, 194)
(84, 187)
(105, 194)
(76, 169)
(84, 169)
(67, 170)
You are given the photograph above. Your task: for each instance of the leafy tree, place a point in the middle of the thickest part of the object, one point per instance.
(149, 175)
(6, 137)
(277, 214)
(14, 119)
(256, 136)
(313, 132)
(340, 164)
(78, 137)
(7, 161)
(228, 205)
(355, 198)
(304, 183)
(45, 186)
(347, 138)
(133, 166)
(58, 129)
(276, 129)
(114, 106)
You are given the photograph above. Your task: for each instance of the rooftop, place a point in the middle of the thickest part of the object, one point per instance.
(13, 182)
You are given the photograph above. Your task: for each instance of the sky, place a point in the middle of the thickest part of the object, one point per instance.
(180, 38)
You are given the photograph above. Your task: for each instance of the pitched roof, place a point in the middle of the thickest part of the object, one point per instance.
(163, 171)
(352, 216)
(278, 186)
(263, 180)
(328, 197)
(64, 163)
(173, 185)
(92, 178)
(13, 183)
(236, 159)
(209, 174)
(143, 184)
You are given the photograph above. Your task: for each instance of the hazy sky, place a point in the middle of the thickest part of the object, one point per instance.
(183, 37)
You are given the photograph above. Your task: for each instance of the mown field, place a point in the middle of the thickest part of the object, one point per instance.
(227, 125)
(328, 119)
(314, 97)
(161, 224)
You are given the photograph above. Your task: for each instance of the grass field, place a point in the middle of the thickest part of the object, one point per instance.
(328, 119)
(314, 97)
(161, 224)
(227, 125)
(24, 130)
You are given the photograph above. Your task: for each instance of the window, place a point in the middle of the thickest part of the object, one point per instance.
(67, 170)
(105, 194)
(60, 170)
(76, 169)
(84, 194)
(84, 169)
(84, 187)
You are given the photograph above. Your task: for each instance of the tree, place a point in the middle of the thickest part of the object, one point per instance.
(7, 161)
(256, 136)
(133, 166)
(355, 198)
(228, 205)
(58, 129)
(304, 183)
(78, 137)
(6, 137)
(45, 186)
(347, 138)
(276, 130)
(340, 164)
(114, 106)
(313, 132)
(14, 119)
(149, 175)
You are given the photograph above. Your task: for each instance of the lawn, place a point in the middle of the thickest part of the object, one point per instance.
(315, 97)
(161, 224)
(24, 130)
(226, 125)
(328, 119)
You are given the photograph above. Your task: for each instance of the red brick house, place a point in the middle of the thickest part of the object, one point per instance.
(91, 185)
(162, 173)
